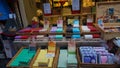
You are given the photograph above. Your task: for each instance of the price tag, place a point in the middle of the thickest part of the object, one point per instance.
(47, 9)
(89, 20)
(75, 5)
(50, 55)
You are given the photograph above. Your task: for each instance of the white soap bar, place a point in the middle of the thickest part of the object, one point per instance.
(88, 36)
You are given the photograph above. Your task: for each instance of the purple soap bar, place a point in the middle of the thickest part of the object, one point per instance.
(17, 37)
(53, 29)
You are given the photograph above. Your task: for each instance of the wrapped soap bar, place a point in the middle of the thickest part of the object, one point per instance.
(89, 58)
(76, 23)
(51, 47)
(53, 29)
(72, 47)
(59, 23)
(103, 59)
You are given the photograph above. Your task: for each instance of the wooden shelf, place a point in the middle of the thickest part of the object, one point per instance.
(52, 16)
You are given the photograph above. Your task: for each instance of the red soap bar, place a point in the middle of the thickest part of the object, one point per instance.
(89, 24)
(76, 12)
(25, 30)
(92, 29)
(36, 29)
(24, 37)
(96, 36)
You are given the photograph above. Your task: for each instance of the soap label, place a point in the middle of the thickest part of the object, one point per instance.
(75, 5)
(32, 45)
(50, 55)
(47, 9)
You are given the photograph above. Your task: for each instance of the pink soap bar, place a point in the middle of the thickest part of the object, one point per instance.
(103, 59)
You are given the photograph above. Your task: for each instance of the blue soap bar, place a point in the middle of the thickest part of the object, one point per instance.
(87, 59)
(76, 22)
(75, 36)
(76, 30)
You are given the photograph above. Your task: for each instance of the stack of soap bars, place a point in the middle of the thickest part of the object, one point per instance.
(24, 58)
(67, 58)
(72, 60)
(42, 60)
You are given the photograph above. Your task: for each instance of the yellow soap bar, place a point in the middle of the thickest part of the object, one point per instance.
(35, 64)
(41, 58)
(50, 62)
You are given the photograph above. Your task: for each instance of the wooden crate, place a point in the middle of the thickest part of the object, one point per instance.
(58, 52)
(54, 61)
(101, 8)
(85, 65)
(109, 35)
(8, 65)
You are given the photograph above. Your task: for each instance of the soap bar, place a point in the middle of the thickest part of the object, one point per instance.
(72, 59)
(59, 36)
(62, 62)
(76, 30)
(88, 36)
(59, 30)
(75, 36)
(50, 62)
(76, 23)
(23, 58)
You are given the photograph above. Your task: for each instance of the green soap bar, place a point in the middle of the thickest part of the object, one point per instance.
(72, 59)
(62, 62)
(59, 36)
(71, 52)
(14, 63)
(21, 64)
